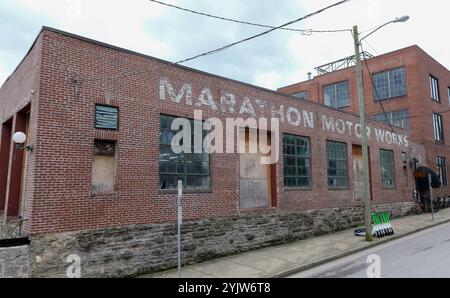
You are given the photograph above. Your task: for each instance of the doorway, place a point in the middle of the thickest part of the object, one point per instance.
(257, 181)
(5, 144)
(358, 174)
(17, 170)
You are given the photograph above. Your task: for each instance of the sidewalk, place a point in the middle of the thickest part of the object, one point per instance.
(278, 261)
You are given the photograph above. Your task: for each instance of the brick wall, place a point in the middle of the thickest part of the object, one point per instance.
(419, 65)
(76, 73)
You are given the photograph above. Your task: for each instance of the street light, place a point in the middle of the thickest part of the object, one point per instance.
(19, 138)
(362, 115)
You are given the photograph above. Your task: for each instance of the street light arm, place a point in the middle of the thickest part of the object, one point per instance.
(390, 22)
(402, 19)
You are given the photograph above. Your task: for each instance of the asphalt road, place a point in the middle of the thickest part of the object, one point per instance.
(422, 255)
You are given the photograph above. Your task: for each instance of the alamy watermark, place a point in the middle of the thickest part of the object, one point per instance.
(254, 136)
(374, 269)
(74, 269)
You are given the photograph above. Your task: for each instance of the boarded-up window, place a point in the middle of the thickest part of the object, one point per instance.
(106, 117)
(104, 167)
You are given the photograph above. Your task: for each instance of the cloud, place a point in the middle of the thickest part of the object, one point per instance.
(426, 28)
(274, 60)
(3, 74)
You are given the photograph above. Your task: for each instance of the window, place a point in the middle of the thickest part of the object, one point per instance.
(106, 117)
(387, 169)
(104, 167)
(337, 165)
(397, 118)
(301, 95)
(438, 128)
(390, 84)
(442, 169)
(336, 95)
(296, 155)
(192, 168)
(448, 91)
(434, 85)
(404, 158)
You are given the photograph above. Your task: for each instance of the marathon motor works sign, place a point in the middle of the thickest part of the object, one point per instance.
(247, 107)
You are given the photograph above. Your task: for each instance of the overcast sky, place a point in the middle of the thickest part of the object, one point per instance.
(271, 61)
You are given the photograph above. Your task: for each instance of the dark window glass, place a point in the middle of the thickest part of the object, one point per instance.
(438, 128)
(397, 118)
(336, 95)
(301, 95)
(297, 160)
(192, 168)
(387, 169)
(442, 169)
(337, 165)
(390, 84)
(434, 86)
(106, 117)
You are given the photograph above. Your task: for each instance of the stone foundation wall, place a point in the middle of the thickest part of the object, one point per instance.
(133, 250)
(14, 262)
(10, 229)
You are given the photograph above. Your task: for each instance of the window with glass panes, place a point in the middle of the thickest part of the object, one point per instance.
(442, 168)
(336, 95)
(438, 128)
(297, 160)
(397, 118)
(448, 91)
(387, 169)
(301, 95)
(390, 84)
(434, 86)
(191, 168)
(337, 165)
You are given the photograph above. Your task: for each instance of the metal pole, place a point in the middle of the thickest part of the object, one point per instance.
(365, 149)
(180, 222)
(431, 197)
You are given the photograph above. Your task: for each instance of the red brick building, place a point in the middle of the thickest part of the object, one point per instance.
(98, 120)
(412, 87)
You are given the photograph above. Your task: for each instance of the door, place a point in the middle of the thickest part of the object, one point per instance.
(358, 174)
(255, 178)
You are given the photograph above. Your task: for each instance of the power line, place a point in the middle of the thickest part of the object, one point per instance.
(215, 51)
(410, 116)
(302, 31)
(378, 96)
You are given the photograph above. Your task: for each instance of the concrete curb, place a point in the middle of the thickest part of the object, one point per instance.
(350, 252)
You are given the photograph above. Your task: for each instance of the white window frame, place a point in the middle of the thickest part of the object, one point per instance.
(438, 128)
(434, 87)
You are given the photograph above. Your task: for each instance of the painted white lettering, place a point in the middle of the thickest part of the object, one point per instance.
(166, 87)
(298, 117)
(228, 102)
(389, 138)
(328, 123)
(247, 108)
(308, 119)
(380, 135)
(340, 126)
(206, 99)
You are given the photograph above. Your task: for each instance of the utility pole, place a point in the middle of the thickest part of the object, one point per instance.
(365, 149)
(431, 196)
(180, 222)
